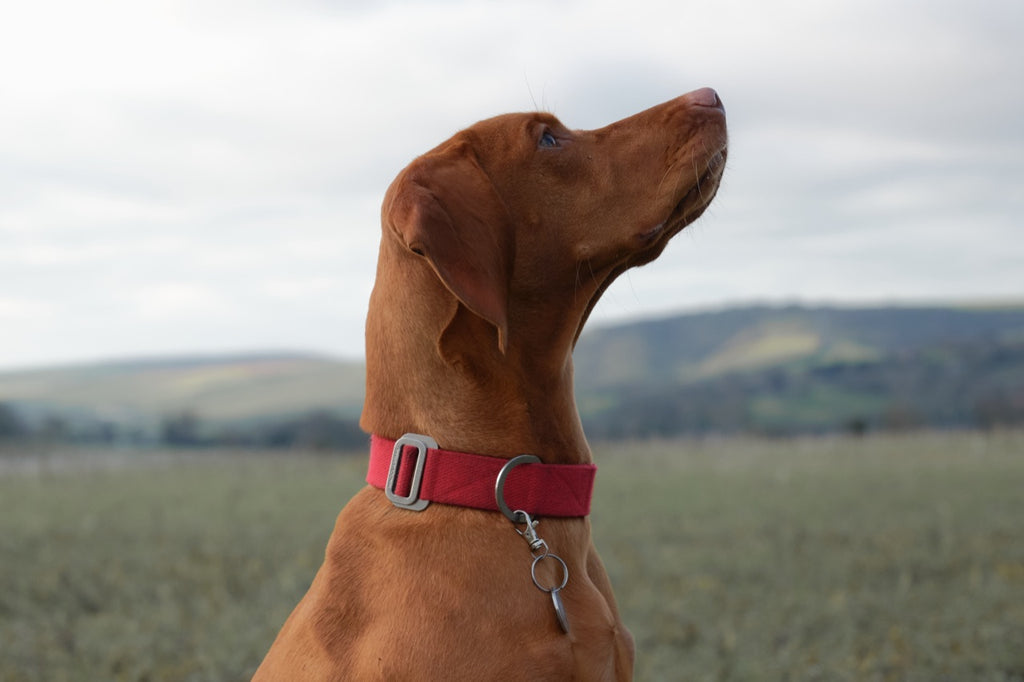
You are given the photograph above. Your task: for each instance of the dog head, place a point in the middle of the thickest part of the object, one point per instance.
(519, 215)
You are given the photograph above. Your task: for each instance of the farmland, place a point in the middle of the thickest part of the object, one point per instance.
(890, 557)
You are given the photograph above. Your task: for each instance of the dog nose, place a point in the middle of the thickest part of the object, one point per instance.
(706, 97)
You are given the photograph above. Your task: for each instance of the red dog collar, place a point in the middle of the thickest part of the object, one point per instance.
(413, 472)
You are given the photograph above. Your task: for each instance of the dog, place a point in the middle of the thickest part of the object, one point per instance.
(467, 560)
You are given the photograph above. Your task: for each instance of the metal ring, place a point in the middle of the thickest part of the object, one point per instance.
(499, 485)
(565, 572)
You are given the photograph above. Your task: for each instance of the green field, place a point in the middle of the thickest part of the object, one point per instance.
(886, 558)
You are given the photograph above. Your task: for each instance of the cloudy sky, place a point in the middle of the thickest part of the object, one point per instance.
(205, 175)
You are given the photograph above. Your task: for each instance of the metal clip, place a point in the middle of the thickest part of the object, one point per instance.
(537, 544)
(538, 547)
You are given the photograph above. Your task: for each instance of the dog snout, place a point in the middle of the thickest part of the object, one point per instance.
(706, 97)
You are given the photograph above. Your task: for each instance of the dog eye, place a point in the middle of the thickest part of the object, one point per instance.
(547, 140)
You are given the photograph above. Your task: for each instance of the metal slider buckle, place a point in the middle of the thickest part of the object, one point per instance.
(411, 501)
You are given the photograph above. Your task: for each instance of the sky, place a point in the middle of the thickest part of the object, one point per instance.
(206, 176)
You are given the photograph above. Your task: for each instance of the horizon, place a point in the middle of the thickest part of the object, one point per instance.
(250, 354)
(210, 176)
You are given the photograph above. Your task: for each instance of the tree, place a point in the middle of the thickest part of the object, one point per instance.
(11, 426)
(181, 430)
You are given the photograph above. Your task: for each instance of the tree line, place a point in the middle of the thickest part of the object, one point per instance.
(318, 430)
(972, 386)
(976, 385)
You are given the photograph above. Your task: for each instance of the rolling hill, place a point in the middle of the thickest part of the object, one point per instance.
(218, 387)
(760, 369)
(137, 399)
(797, 369)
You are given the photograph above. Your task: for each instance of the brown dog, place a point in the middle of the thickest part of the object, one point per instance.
(496, 246)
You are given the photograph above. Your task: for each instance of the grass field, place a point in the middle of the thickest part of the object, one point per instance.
(887, 558)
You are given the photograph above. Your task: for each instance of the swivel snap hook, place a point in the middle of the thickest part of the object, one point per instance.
(537, 545)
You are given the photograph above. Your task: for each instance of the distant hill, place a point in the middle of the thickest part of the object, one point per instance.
(756, 369)
(139, 396)
(797, 369)
(688, 348)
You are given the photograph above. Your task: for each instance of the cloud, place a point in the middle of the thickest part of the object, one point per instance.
(222, 168)
(17, 310)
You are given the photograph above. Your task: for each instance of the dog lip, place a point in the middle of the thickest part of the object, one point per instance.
(650, 235)
(693, 203)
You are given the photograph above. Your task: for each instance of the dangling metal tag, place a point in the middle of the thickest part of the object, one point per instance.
(563, 617)
(556, 598)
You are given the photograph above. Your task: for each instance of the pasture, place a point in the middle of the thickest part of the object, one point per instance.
(884, 558)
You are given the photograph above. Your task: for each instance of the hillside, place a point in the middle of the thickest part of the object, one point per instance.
(138, 396)
(759, 369)
(795, 369)
(699, 346)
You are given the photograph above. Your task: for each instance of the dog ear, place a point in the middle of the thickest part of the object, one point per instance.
(447, 210)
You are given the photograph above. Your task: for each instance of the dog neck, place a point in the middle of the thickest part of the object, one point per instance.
(434, 367)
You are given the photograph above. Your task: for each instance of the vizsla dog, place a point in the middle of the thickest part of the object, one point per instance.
(462, 560)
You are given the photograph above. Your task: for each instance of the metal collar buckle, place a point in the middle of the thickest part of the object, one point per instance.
(412, 500)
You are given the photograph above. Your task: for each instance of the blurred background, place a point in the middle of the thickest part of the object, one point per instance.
(191, 192)
(189, 217)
